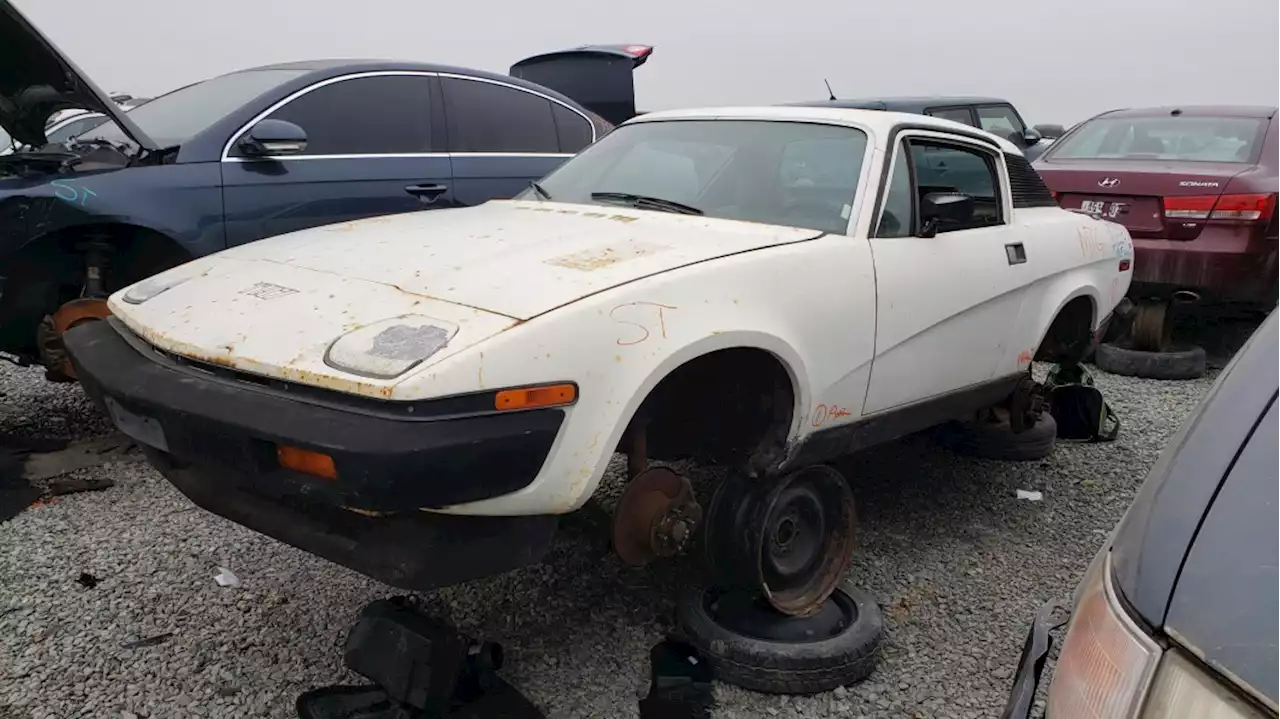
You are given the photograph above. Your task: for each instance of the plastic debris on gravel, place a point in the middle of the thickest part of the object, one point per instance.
(958, 562)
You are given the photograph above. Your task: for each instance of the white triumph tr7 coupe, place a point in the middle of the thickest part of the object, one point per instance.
(419, 397)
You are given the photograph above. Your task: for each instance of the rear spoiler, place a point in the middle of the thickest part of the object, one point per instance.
(599, 77)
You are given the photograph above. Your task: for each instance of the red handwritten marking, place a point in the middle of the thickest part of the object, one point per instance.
(662, 321)
(1024, 357)
(822, 413)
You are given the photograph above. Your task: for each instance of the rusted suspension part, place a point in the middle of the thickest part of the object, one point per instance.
(1152, 326)
(1025, 404)
(791, 538)
(655, 517)
(89, 308)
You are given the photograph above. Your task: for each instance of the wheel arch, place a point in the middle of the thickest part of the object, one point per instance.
(1068, 331)
(744, 349)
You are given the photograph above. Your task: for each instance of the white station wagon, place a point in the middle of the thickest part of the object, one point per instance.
(420, 396)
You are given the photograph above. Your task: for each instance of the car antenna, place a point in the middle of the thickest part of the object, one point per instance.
(832, 95)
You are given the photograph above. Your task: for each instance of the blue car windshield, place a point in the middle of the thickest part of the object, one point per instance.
(174, 118)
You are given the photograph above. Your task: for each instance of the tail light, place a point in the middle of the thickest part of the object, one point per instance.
(1224, 208)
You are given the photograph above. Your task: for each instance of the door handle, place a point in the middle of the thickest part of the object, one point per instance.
(427, 193)
(1015, 253)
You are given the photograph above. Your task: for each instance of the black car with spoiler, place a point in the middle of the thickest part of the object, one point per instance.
(255, 153)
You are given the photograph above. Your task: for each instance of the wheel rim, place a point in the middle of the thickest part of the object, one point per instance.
(749, 614)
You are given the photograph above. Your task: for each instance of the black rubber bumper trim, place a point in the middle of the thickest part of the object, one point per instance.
(384, 464)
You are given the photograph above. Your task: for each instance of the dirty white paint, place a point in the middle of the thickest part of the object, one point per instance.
(615, 299)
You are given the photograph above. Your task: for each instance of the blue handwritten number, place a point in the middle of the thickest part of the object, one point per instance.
(61, 185)
(61, 188)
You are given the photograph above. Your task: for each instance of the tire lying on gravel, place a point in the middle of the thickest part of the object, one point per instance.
(1186, 363)
(751, 645)
(997, 440)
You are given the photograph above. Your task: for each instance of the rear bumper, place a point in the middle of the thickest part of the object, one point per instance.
(216, 439)
(1161, 266)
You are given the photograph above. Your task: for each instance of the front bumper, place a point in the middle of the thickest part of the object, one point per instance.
(1035, 652)
(216, 438)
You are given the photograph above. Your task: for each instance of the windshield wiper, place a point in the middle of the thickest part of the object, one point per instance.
(647, 203)
(539, 190)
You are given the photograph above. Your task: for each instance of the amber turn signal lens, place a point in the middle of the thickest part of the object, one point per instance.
(529, 397)
(307, 462)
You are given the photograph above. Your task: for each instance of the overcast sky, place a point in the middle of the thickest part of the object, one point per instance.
(1057, 61)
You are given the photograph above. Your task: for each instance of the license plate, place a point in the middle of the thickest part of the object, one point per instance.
(144, 429)
(1109, 210)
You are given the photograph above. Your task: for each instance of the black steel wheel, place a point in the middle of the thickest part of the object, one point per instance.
(751, 645)
(790, 538)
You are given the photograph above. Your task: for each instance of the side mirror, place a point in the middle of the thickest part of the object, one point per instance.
(1031, 136)
(939, 207)
(1052, 132)
(273, 137)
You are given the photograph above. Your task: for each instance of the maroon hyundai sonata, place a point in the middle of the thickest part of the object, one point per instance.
(1195, 186)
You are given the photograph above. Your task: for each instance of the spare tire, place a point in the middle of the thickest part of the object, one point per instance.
(997, 440)
(1187, 363)
(750, 644)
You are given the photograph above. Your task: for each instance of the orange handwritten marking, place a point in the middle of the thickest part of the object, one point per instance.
(662, 321)
(1024, 358)
(822, 413)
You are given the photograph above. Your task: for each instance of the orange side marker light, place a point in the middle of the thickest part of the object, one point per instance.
(531, 397)
(315, 464)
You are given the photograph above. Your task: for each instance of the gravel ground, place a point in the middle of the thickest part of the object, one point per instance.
(958, 564)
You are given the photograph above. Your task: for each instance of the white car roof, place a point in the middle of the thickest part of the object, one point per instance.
(879, 121)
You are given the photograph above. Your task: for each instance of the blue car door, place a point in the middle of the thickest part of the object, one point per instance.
(502, 136)
(374, 147)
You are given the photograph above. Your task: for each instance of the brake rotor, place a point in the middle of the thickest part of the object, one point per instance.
(49, 336)
(655, 517)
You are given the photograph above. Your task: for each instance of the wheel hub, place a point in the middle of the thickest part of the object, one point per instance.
(655, 517)
(790, 539)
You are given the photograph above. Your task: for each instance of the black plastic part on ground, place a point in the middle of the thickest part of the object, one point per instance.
(996, 440)
(679, 683)
(1188, 363)
(501, 701)
(751, 646)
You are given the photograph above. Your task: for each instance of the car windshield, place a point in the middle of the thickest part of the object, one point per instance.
(776, 172)
(1192, 139)
(172, 119)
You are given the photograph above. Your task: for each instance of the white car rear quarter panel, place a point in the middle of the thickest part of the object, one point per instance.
(811, 304)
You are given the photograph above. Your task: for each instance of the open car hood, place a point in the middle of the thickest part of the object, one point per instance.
(38, 80)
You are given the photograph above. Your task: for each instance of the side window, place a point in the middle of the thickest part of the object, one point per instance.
(367, 115)
(572, 130)
(955, 114)
(896, 219)
(1001, 120)
(486, 117)
(946, 168)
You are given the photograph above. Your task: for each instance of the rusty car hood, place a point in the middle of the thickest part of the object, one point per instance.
(515, 258)
(37, 80)
(274, 307)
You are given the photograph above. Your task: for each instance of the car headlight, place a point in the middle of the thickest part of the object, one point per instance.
(1107, 660)
(1183, 690)
(391, 347)
(149, 288)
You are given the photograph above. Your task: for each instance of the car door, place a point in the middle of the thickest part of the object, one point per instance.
(370, 151)
(946, 305)
(501, 137)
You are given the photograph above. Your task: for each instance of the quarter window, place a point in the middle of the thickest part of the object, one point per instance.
(367, 115)
(487, 117)
(573, 131)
